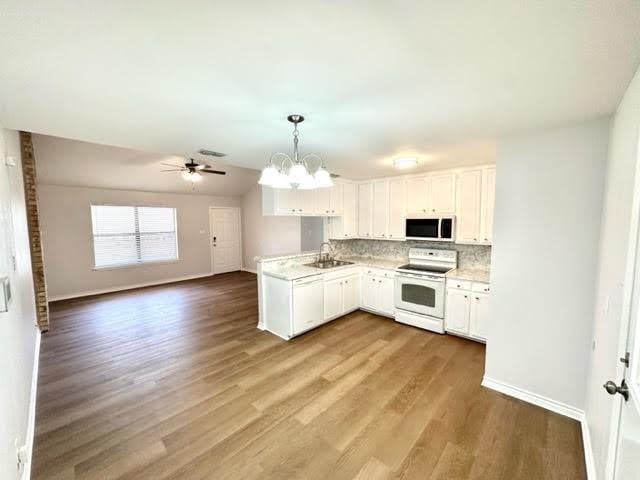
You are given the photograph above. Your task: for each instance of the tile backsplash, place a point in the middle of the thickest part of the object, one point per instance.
(469, 256)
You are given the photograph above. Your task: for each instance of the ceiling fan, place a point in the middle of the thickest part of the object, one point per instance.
(191, 170)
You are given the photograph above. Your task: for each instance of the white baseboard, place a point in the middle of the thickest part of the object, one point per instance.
(589, 461)
(534, 398)
(31, 422)
(261, 326)
(250, 270)
(87, 293)
(554, 406)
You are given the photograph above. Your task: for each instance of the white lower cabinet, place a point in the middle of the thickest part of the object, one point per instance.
(466, 309)
(377, 292)
(341, 296)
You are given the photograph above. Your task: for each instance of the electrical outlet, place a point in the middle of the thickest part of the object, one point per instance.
(10, 160)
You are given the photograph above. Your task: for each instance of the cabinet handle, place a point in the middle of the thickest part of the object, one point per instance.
(466, 296)
(433, 210)
(477, 298)
(475, 239)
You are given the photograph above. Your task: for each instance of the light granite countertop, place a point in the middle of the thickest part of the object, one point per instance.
(279, 267)
(470, 275)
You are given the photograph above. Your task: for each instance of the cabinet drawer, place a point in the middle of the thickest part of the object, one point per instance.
(458, 284)
(481, 287)
(378, 272)
(344, 272)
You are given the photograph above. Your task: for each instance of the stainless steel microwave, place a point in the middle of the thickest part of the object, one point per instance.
(436, 229)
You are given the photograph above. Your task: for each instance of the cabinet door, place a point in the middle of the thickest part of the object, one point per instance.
(380, 210)
(365, 200)
(442, 194)
(287, 201)
(468, 208)
(351, 294)
(370, 292)
(488, 201)
(386, 299)
(479, 316)
(349, 211)
(397, 207)
(417, 196)
(457, 309)
(308, 306)
(333, 299)
(335, 199)
(322, 202)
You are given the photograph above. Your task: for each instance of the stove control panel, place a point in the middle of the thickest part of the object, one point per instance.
(433, 254)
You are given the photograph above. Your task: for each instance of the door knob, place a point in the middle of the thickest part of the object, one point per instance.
(612, 389)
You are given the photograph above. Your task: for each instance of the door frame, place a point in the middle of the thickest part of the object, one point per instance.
(625, 320)
(209, 240)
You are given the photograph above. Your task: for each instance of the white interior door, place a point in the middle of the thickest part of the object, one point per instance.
(627, 392)
(225, 239)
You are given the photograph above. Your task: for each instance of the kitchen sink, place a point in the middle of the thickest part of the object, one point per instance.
(328, 264)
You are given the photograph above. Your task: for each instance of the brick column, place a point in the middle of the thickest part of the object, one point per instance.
(35, 238)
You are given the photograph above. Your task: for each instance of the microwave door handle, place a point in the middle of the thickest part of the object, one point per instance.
(439, 229)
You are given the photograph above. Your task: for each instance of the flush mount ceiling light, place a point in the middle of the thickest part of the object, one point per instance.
(282, 171)
(405, 162)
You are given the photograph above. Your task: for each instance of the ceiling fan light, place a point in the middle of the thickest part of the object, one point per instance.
(192, 176)
(298, 174)
(281, 181)
(268, 176)
(323, 178)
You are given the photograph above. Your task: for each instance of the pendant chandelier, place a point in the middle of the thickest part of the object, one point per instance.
(282, 171)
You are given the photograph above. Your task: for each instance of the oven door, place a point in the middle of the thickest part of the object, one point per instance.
(420, 294)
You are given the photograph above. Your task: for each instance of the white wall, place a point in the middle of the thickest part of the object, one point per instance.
(621, 172)
(65, 218)
(546, 234)
(19, 336)
(266, 235)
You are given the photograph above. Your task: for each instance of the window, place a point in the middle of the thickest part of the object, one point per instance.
(133, 235)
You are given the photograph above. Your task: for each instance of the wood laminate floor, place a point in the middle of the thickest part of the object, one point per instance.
(175, 382)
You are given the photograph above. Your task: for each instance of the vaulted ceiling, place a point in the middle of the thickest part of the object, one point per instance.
(440, 80)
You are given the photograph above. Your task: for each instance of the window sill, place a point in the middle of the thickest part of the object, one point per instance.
(134, 265)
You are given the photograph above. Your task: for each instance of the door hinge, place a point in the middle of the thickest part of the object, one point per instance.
(625, 359)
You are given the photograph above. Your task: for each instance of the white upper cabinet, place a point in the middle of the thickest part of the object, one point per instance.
(397, 208)
(365, 203)
(488, 202)
(335, 199)
(287, 201)
(468, 206)
(349, 210)
(417, 202)
(441, 190)
(380, 210)
(322, 202)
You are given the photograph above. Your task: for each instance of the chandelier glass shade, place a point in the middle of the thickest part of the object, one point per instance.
(284, 171)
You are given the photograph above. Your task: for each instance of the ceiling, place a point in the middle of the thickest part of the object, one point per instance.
(440, 80)
(61, 161)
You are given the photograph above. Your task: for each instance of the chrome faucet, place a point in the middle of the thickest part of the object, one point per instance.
(330, 253)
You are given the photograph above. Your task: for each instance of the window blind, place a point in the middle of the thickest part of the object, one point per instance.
(129, 235)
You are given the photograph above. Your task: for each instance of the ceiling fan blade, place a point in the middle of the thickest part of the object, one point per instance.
(217, 172)
(173, 170)
(202, 166)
